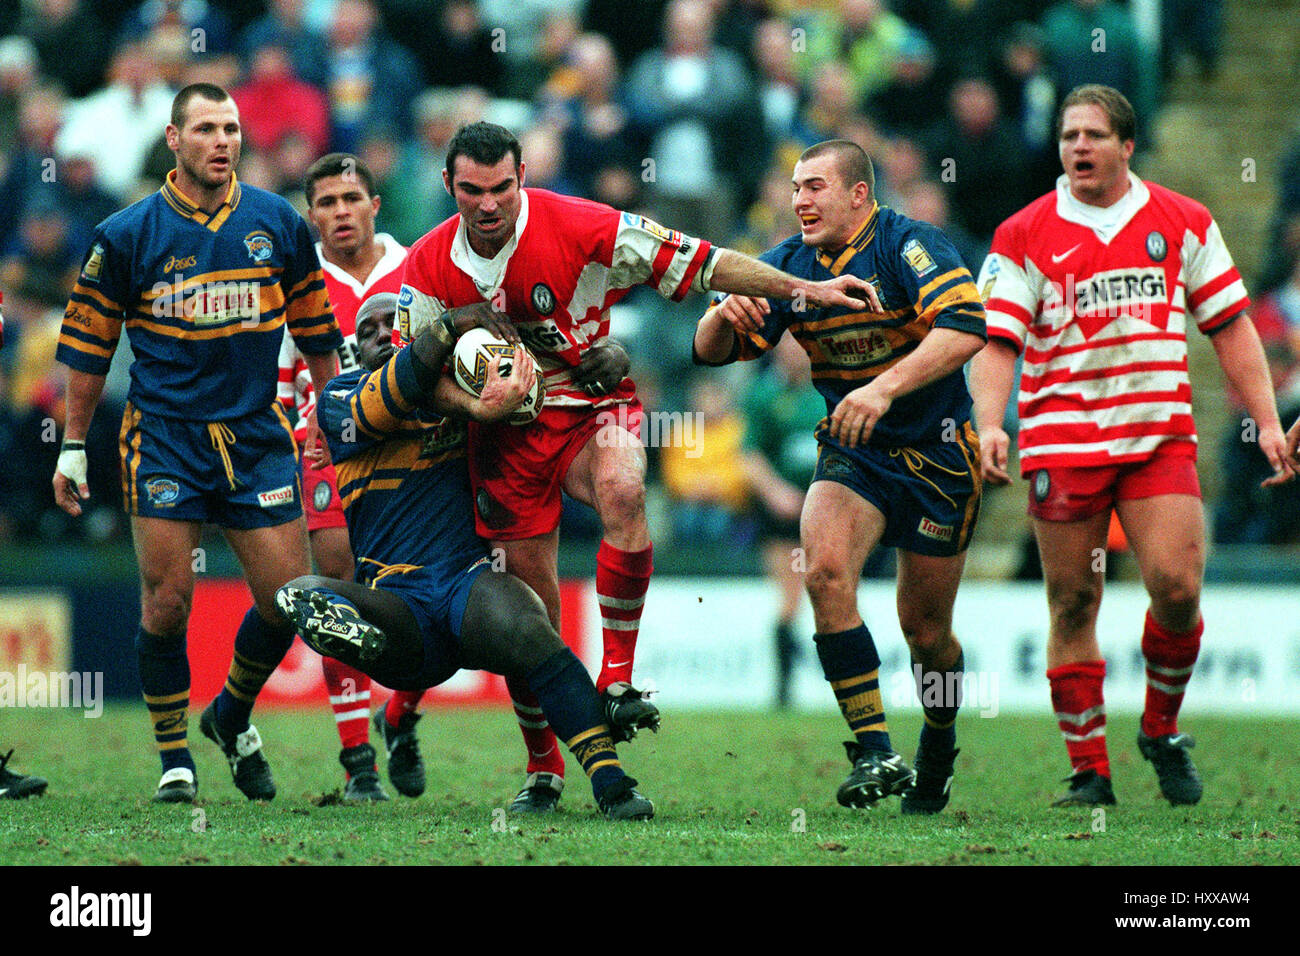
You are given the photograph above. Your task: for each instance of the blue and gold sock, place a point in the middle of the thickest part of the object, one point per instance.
(569, 701)
(940, 695)
(165, 683)
(852, 665)
(259, 648)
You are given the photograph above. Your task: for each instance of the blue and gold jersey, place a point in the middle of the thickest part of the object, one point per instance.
(402, 471)
(204, 298)
(922, 285)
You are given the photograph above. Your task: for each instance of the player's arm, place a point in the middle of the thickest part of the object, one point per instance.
(743, 275)
(1241, 354)
(992, 375)
(602, 368)
(433, 346)
(70, 487)
(502, 394)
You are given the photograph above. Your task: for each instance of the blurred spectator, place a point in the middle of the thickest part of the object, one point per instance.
(771, 219)
(372, 78)
(906, 104)
(602, 151)
(900, 165)
(701, 466)
(1284, 229)
(286, 24)
(81, 197)
(17, 77)
(193, 25)
(1245, 513)
(633, 26)
(926, 201)
(966, 33)
(549, 70)
(779, 90)
(1194, 26)
(1095, 41)
(696, 102)
(453, 45)
(39, 271)
(781, 410)
(381, 151)
(534, 37)
(1028, 92)
(31, 164)
(438, 114)
(274, 102)
(865, 36)
(73, 43)
(290, 160)
(119, 124)
(737, 24)
(545, 151)
(831, 105)
(978, 157)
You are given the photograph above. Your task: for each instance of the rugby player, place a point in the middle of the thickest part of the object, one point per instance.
(898, 458)
(1093, 284)
(555, 265)
(342, 204)
(426, 601)
(205, 275)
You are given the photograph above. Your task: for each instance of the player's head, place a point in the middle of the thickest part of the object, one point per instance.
(833, 185)
(375, 329)
(204, 134)
(484, 175)
(341, 203)
(1095, 128)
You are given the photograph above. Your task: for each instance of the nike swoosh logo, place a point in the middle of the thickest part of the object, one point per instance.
(1056, 260)
(619, 663)
(539, 756)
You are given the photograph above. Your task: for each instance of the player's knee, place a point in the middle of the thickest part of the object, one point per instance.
(620, 499)
(164, 607)
(925, 634)
(1176, 599)
(828, 584)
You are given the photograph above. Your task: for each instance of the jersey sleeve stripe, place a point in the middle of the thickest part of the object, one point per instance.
(74, 340)
(89, 296)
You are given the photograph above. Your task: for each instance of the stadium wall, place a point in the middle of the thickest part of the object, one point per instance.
(706, 643)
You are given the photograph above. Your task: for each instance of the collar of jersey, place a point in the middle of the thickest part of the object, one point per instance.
(1107, 222)
(857, 242)
(213, 221)
(488, 274)
(394, 253)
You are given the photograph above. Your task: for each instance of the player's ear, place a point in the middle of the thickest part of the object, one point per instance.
(374, 204)
(173, 137)
(522, 169)
(446, 183)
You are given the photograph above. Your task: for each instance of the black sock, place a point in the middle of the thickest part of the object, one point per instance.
(852, 665)
(572, 708)
(259, 648)
(940, 695)
(165, 682)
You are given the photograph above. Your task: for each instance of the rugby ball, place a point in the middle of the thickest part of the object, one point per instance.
(469, 364)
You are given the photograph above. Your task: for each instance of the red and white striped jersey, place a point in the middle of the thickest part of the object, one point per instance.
(569, 261)
(346, 295)
(1096, 301)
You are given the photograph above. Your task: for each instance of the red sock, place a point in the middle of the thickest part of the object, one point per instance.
(622, 578)
(544, 754)
(350, 700)
(1170, 657)
(401, 703)
(1081, 713)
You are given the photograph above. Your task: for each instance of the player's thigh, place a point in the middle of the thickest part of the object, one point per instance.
(838, 530)
(332, 552)
(927, 592)
(270, 557)
(1167, 534)
(165, 554)
(1073, 555)
(506, 628)
(535, 561)
(609, 471)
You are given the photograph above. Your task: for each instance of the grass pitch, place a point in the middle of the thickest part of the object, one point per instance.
(729, 788)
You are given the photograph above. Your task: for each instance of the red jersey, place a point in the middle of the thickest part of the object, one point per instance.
(1096, 301)
(569, 261)
(346, 295)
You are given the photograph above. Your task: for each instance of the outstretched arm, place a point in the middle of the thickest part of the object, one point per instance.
(1242, 356)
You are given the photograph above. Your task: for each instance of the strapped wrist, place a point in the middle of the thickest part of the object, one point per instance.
(72, 444)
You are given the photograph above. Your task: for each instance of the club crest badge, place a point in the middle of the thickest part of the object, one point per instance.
(1157, 248)
(543, 299)
(259, 246)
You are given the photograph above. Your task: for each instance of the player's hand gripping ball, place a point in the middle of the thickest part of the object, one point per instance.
(469, 363)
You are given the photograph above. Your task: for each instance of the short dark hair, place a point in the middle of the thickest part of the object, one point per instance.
(485, 143)
(209, 91)
(337, 164)
(855, 164)
(1123, 121)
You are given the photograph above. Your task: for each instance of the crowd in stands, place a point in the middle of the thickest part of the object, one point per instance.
(689, 111)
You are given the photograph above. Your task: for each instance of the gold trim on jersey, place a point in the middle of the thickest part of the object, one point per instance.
(398, 455)
(182, 205)
(385, 570)
(857, 242)
(129, 449)
(233, 326)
